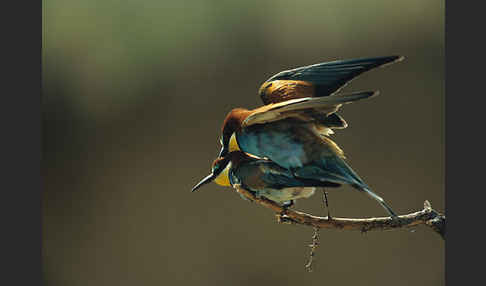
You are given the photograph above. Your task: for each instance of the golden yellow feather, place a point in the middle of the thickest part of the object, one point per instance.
(223, 178)
(233, 144)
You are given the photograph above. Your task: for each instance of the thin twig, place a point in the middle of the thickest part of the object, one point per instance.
(428, 217)
(313, 247)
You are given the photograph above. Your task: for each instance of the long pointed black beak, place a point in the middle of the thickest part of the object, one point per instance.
(206, 180)
(214, 174)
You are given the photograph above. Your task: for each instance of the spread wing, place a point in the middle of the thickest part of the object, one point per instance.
(318, 80)
(303, 108)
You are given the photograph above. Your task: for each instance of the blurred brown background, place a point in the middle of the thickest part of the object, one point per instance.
(134, 94)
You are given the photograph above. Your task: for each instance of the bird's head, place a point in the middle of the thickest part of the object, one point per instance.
(219, 173)
(232, 123)
(221, 167)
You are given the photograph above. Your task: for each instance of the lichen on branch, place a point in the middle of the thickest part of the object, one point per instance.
(427, 216)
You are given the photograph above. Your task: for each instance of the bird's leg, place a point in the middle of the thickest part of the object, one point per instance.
(326, 203)
(282, 216)
(285, 206)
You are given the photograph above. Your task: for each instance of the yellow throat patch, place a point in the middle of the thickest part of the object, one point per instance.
(233, 144)
(223, 178)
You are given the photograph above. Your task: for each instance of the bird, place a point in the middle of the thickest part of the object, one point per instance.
(285, 134)
(292, 130)
(317, 80)
(262, 177)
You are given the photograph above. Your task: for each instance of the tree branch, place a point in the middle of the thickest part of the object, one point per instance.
(427, 216)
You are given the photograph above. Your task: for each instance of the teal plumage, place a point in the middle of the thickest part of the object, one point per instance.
(264, 178)
(290, 133)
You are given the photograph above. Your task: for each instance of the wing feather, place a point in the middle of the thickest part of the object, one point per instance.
(300, 108)
(318, 80)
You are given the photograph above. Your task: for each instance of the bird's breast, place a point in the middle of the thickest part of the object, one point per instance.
(287, 194)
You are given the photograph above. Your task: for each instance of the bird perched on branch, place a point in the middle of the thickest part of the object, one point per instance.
(261, 176)
(291, 130)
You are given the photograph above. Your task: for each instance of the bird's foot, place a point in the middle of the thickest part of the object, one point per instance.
(282, 217)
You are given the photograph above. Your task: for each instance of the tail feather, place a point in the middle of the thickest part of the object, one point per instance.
(380, 201)
(334, 169)
(360, 185)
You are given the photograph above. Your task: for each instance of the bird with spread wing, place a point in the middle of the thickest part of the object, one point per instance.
(292, 129)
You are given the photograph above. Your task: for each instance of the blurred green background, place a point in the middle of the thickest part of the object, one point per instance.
(134, 94)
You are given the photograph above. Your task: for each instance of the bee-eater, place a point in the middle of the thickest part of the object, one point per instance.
(318, 80)
(286, 134)
(261, 176)
(274, 130)
(301, 110)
